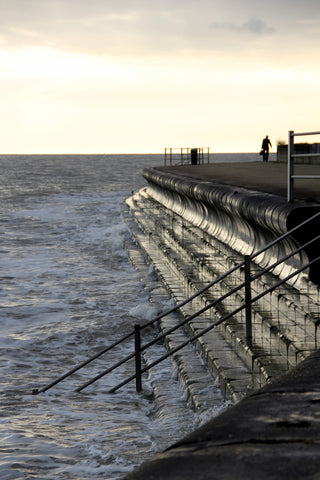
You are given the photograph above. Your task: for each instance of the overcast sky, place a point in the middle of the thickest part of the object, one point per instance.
(113, 76)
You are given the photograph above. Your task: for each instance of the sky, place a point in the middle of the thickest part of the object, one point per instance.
(137, 76)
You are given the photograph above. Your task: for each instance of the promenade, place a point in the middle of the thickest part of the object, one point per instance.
(273, 433)
(270, 177)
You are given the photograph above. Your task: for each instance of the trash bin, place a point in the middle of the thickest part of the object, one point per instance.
(194, 156)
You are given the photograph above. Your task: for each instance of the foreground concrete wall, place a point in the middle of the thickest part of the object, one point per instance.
(275, 433)
(244, 219)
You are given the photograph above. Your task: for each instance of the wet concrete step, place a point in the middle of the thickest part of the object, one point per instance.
(234, 387)
(195, 259)
(288, 301)
(170, 278)
(286, 298)
(197, 386)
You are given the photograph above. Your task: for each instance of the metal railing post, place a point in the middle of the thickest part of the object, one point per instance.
(247, 279)
(137, 351)
(290, 180)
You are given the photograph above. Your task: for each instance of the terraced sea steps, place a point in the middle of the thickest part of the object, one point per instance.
(185, 258)
(196, 387)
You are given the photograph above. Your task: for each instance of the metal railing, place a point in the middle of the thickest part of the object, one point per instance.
(182, 156)
(136, 333)
(139, 348)
(291, 157)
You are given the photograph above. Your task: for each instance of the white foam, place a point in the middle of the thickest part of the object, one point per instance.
(144, 311)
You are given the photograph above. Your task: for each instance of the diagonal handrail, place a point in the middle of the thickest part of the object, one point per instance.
(179, 305)
(35, 391)
(201, 311)
(215, 324)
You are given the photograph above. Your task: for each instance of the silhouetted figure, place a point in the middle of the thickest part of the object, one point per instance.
(265, 148)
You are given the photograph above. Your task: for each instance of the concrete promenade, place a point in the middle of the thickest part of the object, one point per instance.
(270, 177)
(275, 432)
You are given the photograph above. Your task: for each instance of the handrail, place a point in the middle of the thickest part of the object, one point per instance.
(203, 310)
(291, 156)
(215, 324)
(304, 134)
(181, 304)
(35, 391)
(208, 307)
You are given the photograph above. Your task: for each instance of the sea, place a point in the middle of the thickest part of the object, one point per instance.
(68, 290)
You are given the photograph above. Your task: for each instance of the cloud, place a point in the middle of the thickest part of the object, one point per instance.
(257, 26)
(119, 27)
(142, 28)
(96, 27)
(254, 25)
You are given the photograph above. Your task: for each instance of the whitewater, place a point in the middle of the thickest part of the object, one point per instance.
(67, 290)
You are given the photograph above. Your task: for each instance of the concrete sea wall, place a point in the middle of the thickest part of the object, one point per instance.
(244, 219)
(187, 227)
(274, 434)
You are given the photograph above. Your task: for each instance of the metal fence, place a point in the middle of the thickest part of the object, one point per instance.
(186, 155)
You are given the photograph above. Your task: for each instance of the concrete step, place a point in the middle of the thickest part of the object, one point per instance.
(186, 259)
(234, 387)
(197, 384)
(294, 307)
(196, 380)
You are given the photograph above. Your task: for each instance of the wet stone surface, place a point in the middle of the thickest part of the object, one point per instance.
(274, 433)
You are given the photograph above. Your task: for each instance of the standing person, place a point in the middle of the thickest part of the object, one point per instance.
(265, 148)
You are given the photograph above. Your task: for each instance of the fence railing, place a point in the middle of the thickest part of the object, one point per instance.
(136, 333)
(291, 157)
(184, 156)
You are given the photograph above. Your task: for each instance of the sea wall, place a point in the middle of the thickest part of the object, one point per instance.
(285, 327)
(244, 219)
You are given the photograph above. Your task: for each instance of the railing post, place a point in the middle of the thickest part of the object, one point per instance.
(137, 350)
(247, 279)
(290, 180)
